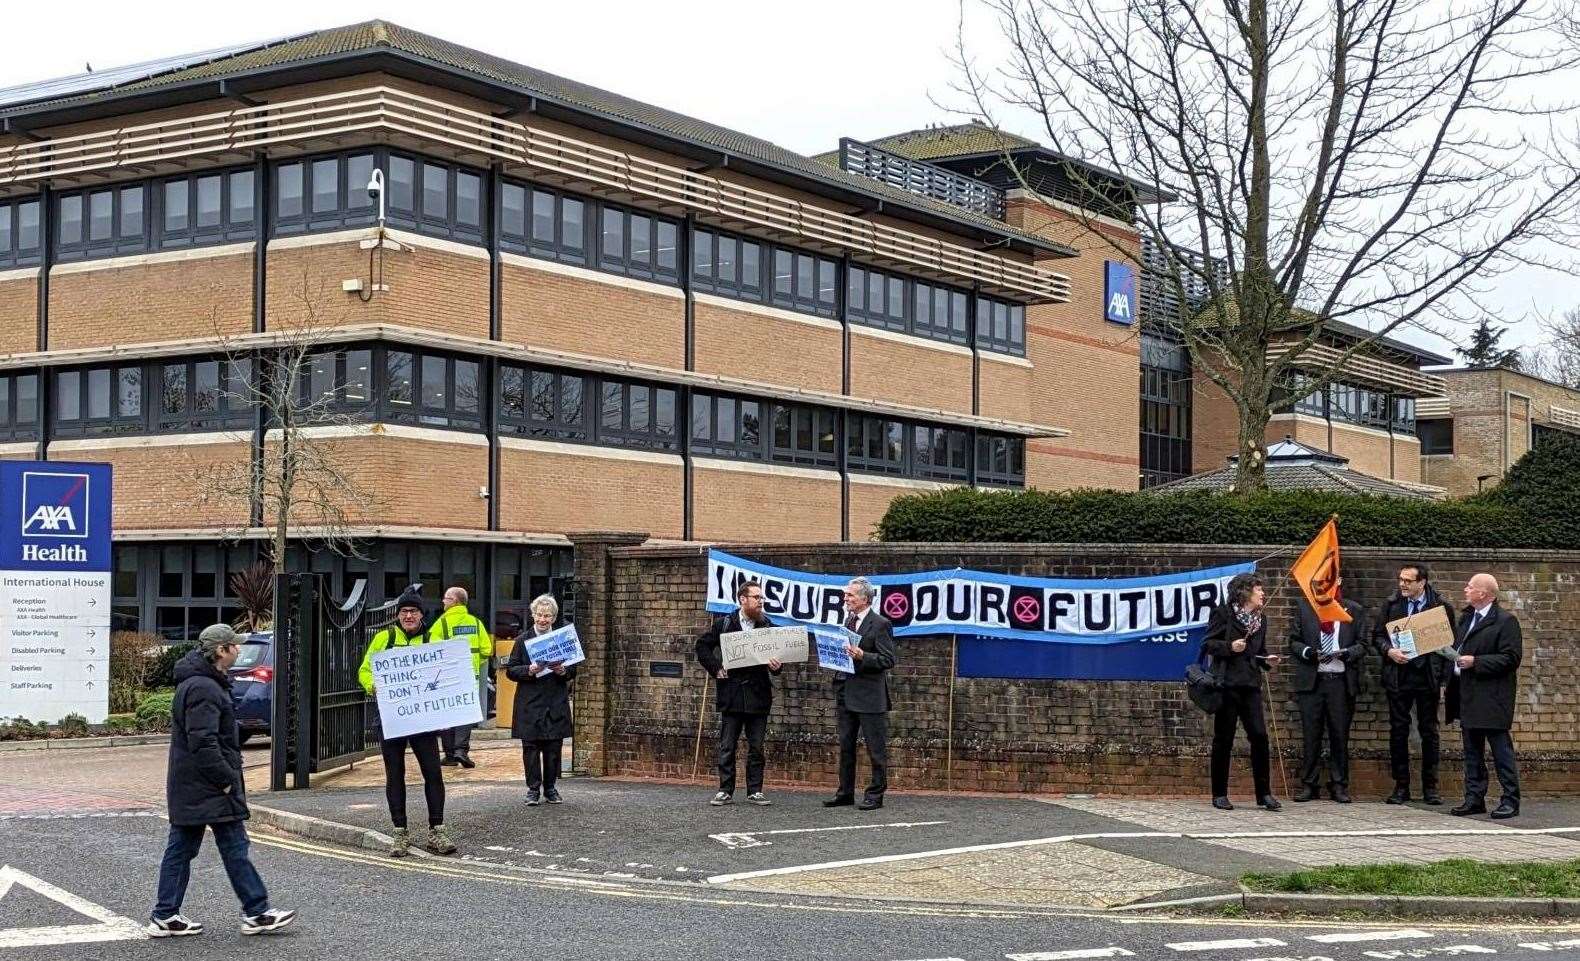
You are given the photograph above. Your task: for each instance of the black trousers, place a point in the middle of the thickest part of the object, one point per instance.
(1400, 704)
(1476, 741)
(541, 761)
(1242, 706)
(1325, 713)
(457, 740)
(731, 726)
(874, 729)
(426, 749)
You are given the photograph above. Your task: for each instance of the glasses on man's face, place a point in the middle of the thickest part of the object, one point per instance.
(1409, 580)
(751, 597)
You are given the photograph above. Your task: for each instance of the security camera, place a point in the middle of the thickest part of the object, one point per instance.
(376, 191)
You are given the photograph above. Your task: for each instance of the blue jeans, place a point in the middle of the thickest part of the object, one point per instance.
(176, 868)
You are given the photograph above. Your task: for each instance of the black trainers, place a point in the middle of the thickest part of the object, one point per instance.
(552, 795)
(466, 761)
(268, 922)
(532, 799)
(449, 762)
(174, 926)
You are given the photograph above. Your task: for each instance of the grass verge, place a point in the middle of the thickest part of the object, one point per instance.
(1453, 878)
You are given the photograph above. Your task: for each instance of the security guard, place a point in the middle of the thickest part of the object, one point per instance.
(457, 623)
(407, 630)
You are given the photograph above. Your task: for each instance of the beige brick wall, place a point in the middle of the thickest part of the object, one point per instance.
(1086, 371)
(755, 346)
(542, 491)
(1215, 425)
(1493, 411)
(735, 505)
(1007, 390)
(111, 305)
(437, 290)
(411, 481)
(869, 501)
(543, 309)
(19, 315)
(163, 486)
(429, 289)
(906, 373)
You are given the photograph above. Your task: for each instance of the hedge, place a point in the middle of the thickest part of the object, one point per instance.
(1534, 508)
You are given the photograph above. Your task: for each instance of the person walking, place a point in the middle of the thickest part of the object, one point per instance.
(1236, 639)
(407, 630)
(206, 791)
(541, 715)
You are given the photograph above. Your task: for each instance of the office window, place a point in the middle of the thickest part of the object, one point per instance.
(633, 414)
(543, 223)
(19, 229)
(727, 265)
(325, 193)
(940, 453)
(101, 223)
(727, 426)
(204, 209)
(803, 434)
(99, 400)
(1001, 326)
(875, 445)
(435, 198)
(433, 390)
(1404, 415)
(630, 243)
(202, 394)
(1436, 434)
(1001, 461)
(337, 381)
(18, 406)
(539, 402)
(734, 267)
(796, 285)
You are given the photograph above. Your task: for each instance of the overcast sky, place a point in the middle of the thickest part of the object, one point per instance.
(801, 74)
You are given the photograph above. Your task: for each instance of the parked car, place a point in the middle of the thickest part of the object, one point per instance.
(252, 684)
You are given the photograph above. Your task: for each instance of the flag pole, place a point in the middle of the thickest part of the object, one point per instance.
(702, 712)
(1278, 751)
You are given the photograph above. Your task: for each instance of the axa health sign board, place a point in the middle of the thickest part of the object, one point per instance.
(54, 590)
(1119, 292)
(54, 516)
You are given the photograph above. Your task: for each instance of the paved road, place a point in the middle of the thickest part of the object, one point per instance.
(367, 906)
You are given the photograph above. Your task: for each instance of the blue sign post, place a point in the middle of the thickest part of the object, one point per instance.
(1119, 292)
(54, 590)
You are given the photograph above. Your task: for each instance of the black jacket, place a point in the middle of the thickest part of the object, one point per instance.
(1305, 645)
(745, 690)
(1223, 629)
(867, 690)
(1420, 673)
(203, 782)
(1483, 697)
(542, 708)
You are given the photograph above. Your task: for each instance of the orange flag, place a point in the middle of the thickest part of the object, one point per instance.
(1317, 573)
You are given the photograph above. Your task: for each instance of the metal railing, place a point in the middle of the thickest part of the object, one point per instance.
(921, 178)
(388, 110)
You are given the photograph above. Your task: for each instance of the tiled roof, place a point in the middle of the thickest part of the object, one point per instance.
(1301, 476)
(376, 35)
(960, 140)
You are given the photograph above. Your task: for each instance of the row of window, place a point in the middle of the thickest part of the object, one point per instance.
(162, 214)
(766, 273)
(1357, 405)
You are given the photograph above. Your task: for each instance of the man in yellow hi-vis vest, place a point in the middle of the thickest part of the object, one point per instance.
(457, 623)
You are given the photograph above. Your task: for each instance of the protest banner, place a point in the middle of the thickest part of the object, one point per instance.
(746, 648)
(1423, 633)
(426, 687)
(831, 653)
(561, 645)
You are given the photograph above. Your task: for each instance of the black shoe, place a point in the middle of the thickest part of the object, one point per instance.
(1468, 808)
(1269, 802)
(466, 761)
(552, 795)
(1505, 810)
(1305, 794)
(450, 761)
(532, 799)
(1339, 795)
(1433, 798)
(1401, 795)
(870, 804)
(1222, 804)
(840, 801)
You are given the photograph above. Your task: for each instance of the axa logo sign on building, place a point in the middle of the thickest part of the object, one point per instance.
(1119, 292)
(55, 504)
(55, 517)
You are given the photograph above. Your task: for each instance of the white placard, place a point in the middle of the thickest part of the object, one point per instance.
(426, 687)
(748, 648)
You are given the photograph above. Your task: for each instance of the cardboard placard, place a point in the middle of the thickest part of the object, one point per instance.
(1422, 633)
(561, 646)
(831, 653)
(426, 687)
(749, 648)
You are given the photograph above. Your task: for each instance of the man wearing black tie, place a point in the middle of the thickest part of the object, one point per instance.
(862, 699)
(1481, 696)
(1411, 684)
(1328, 658)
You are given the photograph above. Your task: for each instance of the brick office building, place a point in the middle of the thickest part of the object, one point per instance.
(585, 312)
(1489, 419)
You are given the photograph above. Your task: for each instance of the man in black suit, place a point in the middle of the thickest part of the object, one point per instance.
(1328, 657)
(862, 698)
(1411, 684)
(745, 696)
(1481, 695)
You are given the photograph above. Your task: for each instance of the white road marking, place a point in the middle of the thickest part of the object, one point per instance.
(109, 926)
(1353, 937)
(753, 839)
(1226, 945)
(1551, 945)
(1071, 955)
(1451, 950)
(81, 815)
(1313, 957)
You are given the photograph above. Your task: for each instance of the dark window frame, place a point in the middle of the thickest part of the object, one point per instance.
(13, 425)
(1436, 435)
(1012, 340)
(804, 297)
(232, 411)
(12, 254)
(116, 420)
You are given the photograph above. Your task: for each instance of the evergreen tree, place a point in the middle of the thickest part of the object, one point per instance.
(1484, 350)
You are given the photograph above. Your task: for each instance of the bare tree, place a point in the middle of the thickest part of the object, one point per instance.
(1374, 162)
(303, 481)
(1558, 359)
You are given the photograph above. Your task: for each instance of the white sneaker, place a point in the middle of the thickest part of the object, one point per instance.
(174, 926)
(720, 799)
(271, 920)
(758, 799)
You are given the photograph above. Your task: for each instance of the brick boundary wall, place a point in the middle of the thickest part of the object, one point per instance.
(641, 604)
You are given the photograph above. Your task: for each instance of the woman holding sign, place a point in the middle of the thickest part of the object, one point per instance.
(542, 715)
(1237, 640)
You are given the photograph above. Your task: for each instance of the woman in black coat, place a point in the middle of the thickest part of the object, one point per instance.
(1237, 641)
(542, 714)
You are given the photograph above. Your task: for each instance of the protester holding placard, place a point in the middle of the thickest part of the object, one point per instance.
(542, 714)
(745, 696)
(1237, 641)
(1411, 683)
(406, 631)
(862, 697)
